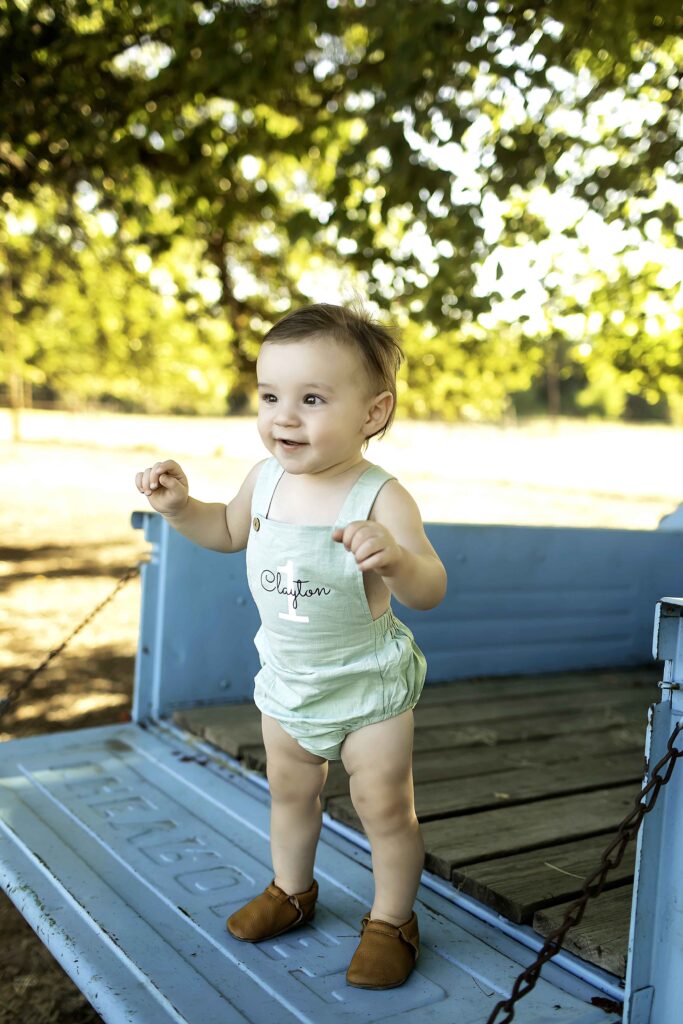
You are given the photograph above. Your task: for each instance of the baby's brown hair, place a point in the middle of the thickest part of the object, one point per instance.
(348, 325)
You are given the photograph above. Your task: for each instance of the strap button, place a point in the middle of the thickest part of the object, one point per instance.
(257, 523)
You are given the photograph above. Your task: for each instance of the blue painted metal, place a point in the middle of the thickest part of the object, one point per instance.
(198, 622)
(672, 520)
(126, 853)
(520, 599)
(655, 957)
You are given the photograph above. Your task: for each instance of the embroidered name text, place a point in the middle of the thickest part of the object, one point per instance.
(273, 581)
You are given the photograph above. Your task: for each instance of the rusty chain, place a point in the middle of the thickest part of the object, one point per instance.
(14, 691)
(628, 829)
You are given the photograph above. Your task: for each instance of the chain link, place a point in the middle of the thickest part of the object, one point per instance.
(14, 691)
(628, 829)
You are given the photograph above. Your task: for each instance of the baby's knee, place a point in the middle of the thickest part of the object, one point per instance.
(295, 781)
(387, 808)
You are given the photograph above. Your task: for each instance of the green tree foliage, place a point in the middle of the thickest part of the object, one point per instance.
(236, 142)
(633, 357)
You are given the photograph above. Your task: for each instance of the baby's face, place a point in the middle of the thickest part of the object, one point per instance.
(315, 393)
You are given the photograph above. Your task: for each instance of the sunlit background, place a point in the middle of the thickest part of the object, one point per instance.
(503, 185)
(501, 181)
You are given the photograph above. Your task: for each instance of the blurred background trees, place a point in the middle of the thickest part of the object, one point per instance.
(503, 180)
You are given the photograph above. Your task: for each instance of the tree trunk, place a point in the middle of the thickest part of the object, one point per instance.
(552, 374)
(15, 382)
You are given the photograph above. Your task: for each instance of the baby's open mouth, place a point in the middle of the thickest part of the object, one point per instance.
(291, 444)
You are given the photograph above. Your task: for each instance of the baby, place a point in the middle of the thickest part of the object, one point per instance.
(329, 538)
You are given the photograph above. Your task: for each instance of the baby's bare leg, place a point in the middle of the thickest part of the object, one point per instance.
(378, 759)
(296, 779)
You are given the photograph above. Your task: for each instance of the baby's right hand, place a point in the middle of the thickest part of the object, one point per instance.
(166, 487)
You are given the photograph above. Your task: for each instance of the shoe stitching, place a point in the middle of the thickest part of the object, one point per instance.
(393, 931)
(295, 903)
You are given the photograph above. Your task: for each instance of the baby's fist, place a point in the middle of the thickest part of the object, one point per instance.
(371, 544)
(165, 486)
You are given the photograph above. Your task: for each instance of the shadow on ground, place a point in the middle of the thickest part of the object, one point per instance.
(46, 591)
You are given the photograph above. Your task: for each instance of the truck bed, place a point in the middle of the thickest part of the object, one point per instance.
(126, 847)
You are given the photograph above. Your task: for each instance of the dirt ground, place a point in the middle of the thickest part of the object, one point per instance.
(52, 576)
(66, 538)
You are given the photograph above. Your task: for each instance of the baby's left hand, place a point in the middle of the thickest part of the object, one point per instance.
(372, 545)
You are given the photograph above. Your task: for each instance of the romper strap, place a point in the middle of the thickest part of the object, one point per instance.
(358, 502)
(266, 481)
(361, 497)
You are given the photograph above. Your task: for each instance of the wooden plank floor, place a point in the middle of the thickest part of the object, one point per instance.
(520, 784)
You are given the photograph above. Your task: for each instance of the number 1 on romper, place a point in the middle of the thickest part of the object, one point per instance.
(288, 569)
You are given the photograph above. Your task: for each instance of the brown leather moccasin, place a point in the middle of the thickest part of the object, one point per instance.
(386, 954)
(272, 913)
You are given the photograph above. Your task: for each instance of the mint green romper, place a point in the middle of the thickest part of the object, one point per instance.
(327, 668)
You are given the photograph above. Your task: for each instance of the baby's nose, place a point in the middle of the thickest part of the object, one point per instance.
(286, 414)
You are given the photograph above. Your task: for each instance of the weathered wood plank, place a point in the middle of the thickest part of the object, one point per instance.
(254, 756)
(235, 727)
(519, 885)
(537, 753)
(490, 734)
(231, 727)
(452, 842)
(530, 706)
(645, 676)
(485, 691)
(508, 788)
(469, 763)
(197, 719)
(466, 762)
(601, 937)
(485, 696)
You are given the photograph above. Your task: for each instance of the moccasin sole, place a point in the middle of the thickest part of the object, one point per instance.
(274, 935)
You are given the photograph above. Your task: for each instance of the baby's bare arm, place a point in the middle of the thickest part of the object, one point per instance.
(418, 577)
(203, 523)
(418, 581)
(213, 525)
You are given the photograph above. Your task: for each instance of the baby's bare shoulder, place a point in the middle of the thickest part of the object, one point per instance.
(238, 512)
(396, 509)
(395, 504)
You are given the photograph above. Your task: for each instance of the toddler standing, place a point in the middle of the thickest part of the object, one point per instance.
(329, 538)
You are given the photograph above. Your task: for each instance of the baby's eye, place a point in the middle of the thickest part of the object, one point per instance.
(312, 396)
(266, 396)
